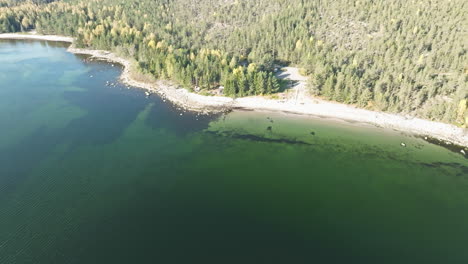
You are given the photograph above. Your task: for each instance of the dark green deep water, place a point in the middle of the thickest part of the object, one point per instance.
(97, 174)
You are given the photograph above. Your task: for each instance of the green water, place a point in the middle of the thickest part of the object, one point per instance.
(91, 173)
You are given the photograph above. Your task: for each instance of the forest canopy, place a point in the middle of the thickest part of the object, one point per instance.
(397, 56)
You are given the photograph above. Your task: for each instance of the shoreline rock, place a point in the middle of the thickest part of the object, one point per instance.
(311, 107)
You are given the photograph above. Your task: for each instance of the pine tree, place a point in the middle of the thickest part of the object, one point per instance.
(259, 83)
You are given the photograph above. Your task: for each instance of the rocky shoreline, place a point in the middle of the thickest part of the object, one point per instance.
(308, 106)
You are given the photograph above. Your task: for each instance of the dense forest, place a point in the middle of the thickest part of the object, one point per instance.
(398, 56)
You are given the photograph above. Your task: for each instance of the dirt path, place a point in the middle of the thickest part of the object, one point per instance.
(298, 100)
(297, 92)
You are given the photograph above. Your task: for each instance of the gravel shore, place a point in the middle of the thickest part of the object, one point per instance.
(306, 106)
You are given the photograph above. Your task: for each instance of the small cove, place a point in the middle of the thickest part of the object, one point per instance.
(96, 174)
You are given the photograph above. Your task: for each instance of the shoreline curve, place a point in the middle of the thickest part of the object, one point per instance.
(311, 106)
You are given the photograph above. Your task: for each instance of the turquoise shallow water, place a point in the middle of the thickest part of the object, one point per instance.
(97, 174)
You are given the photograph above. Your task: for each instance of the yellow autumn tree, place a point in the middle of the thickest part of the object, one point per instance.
(152, 44)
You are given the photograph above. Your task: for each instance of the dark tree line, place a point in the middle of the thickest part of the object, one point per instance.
(397, 56)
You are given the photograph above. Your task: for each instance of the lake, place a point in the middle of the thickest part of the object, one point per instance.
(96, 173)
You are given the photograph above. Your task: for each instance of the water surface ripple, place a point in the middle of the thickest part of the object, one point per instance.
(91, 173)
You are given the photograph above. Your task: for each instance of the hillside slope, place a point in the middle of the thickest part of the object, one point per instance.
(397, 56)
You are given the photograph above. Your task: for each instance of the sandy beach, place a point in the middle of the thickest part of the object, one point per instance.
(302, 104)
(35, 36)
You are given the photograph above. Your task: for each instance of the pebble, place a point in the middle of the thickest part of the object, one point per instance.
(403, 144)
